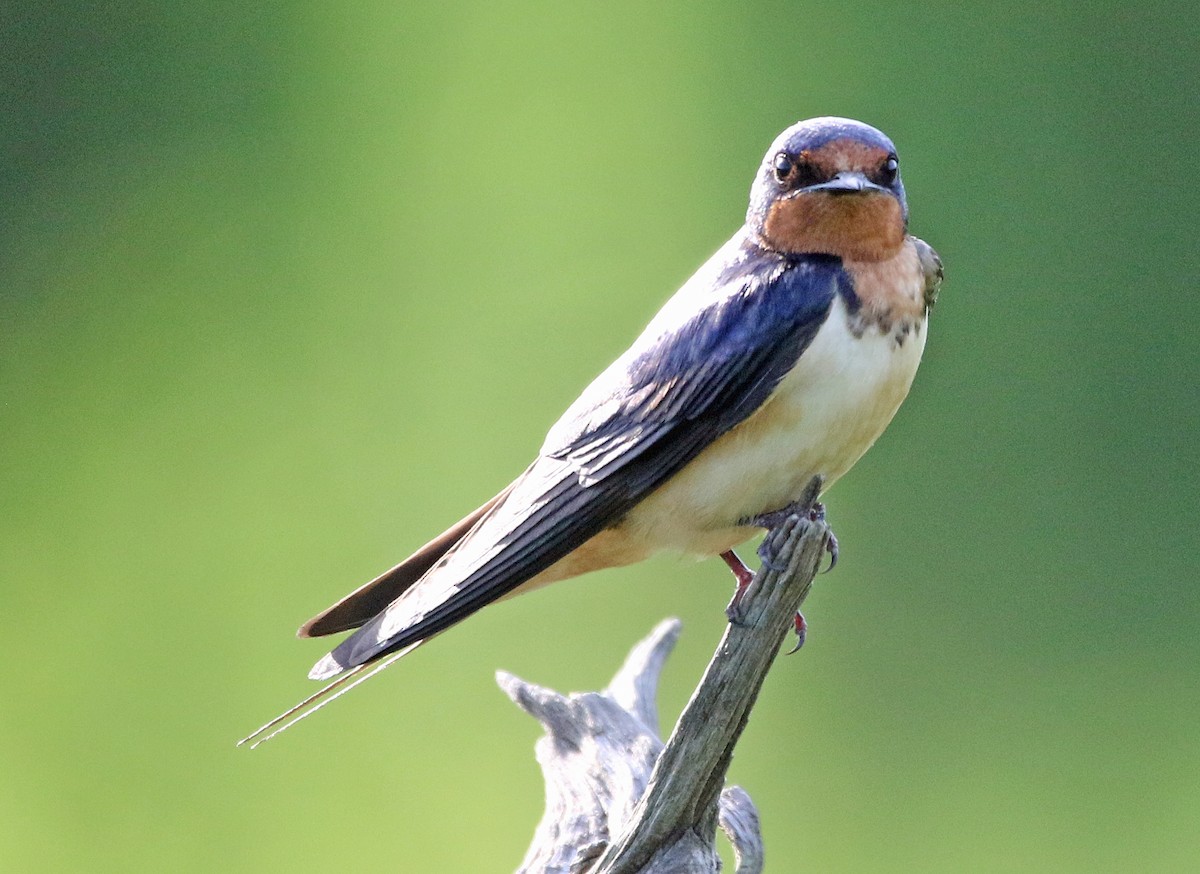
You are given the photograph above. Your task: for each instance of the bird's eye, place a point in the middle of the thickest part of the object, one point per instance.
(887, 172)
(783, 166)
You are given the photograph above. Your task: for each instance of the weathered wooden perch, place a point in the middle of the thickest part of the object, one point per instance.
(617, 800)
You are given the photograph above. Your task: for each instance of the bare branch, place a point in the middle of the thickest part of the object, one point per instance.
(607, 774)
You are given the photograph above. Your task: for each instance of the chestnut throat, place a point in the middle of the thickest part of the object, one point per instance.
(854, 227)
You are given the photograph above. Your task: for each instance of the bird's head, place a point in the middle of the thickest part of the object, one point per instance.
(830, 186)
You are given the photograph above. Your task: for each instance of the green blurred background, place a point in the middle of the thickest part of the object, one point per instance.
(285, 290)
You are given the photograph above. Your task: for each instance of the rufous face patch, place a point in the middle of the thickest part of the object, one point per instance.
(859, 226)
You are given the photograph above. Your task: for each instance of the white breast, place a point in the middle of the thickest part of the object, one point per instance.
(821, 418)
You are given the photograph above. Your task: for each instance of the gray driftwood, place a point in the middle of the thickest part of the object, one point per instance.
(617, 800)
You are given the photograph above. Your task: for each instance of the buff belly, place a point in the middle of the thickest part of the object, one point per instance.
(821, 418)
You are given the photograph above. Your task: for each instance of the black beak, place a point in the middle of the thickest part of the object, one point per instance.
(848, 183)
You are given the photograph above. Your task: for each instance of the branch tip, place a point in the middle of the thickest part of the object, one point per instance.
(548, 707)
(635, 684)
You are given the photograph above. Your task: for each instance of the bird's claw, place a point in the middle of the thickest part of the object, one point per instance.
(801, 632)
(831, 546)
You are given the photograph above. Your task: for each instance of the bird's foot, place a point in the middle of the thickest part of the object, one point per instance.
(744, 578)
(831, 546)
(807, 506)
(801, 632)
(815, 511)
(775, 518)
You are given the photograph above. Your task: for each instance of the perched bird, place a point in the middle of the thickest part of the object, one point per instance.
(783, 358)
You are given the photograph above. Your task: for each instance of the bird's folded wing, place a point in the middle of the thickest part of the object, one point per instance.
(678, 389)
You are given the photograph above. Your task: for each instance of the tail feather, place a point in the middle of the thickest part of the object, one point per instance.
(358, 608)
(329, 693)
(372, 598)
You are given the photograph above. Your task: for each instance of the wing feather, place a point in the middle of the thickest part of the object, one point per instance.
(371, 598)
(711, 358)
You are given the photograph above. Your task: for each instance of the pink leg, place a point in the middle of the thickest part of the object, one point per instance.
(744, 577)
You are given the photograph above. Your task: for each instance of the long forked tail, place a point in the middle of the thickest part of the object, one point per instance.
(317, 700)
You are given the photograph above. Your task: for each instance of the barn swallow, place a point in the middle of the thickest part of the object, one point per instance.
(783, 358)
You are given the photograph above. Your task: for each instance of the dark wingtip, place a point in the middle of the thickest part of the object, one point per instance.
(321, 625)
(356, 608)
(372, 598)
